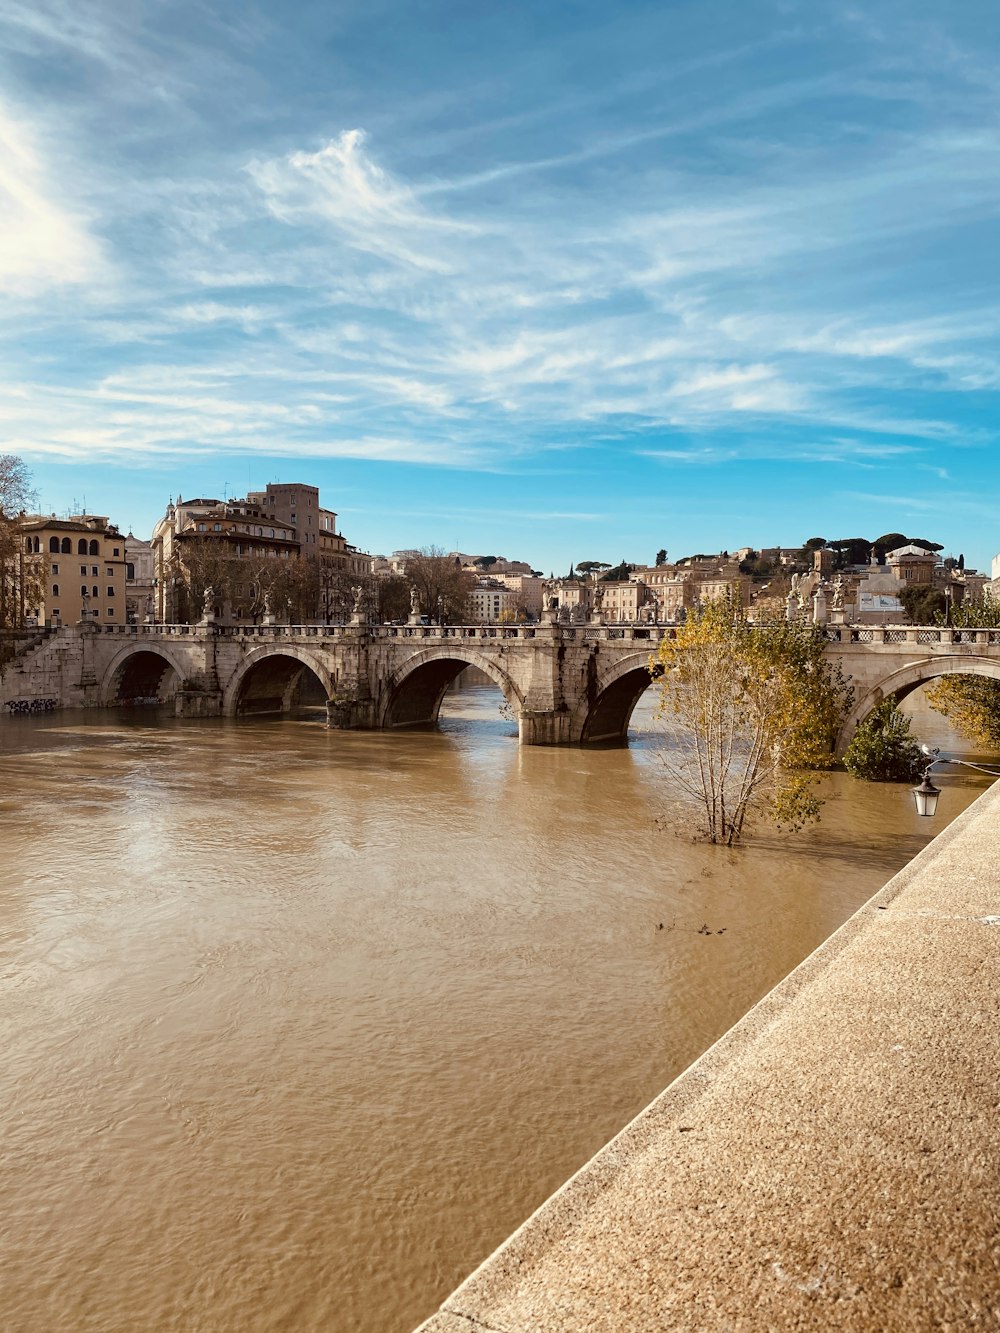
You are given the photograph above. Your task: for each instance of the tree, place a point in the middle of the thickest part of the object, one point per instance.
(812, 544)
(619, 574)
(392, 598)
(759, 569)
(972, 705)
(923, 605)
(15, 496)
(747, 710)
(851, 551)
(882, 749)
(586, 567)
(485, 561)
(661, 556)
(443, 588)
(889, 541)
(981, 613)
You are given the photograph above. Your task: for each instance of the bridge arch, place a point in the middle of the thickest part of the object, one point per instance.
(610, 698)
(141, 670)
(414, 692)
(266, 679)
(909, 678)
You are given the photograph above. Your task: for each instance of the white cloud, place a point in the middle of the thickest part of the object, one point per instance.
(43, 241)
(342, 185)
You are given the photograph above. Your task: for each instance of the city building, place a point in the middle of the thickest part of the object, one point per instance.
(74, 570)
(527, 591)
(913, 566)
(140, 580)
(277, 548)
(490, 602)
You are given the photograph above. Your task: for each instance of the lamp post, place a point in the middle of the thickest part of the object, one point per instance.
(925, 796)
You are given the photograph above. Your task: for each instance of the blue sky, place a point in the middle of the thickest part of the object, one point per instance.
(559, 281)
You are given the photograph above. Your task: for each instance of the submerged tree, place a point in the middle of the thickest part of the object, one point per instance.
(882, 749)
(748, 711)
(972, 705)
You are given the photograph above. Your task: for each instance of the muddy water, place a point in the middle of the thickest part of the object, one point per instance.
(298, 1025)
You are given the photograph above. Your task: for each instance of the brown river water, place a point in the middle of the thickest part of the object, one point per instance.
(298, 1025)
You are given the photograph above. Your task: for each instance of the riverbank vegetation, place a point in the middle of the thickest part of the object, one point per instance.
(883, 749)
(748, 713)
(972, 705)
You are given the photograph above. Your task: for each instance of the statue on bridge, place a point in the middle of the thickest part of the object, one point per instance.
(208, 604)
(359, 596)
(414, 600)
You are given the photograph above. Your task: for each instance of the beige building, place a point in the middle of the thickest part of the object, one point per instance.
(77, 570)
(140, 580)
(490, 602)
(203, 541)
(527, 591)
(198, 538)
(619, 601)
(912, 566)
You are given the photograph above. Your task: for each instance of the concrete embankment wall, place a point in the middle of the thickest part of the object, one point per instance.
(833, 1162)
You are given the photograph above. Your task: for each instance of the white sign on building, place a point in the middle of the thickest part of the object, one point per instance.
(878, 603)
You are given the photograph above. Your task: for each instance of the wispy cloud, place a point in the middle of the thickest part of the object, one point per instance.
(44, 242)
(226, 232)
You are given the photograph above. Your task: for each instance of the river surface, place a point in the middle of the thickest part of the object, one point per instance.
(298, 1025)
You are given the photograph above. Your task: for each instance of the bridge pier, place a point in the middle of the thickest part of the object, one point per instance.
(554, 727)
(190, 702)
(346, 712)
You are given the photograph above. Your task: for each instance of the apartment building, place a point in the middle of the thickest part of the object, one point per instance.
(74, 570)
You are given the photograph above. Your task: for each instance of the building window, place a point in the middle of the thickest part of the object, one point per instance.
(130, 572)
(93, 570)
(81, 547)
(83, 590)
(95, 548)
(115, 551)
(111, 593)
(218, 527)
(83, 569)
(109, 573)
(66, 546)
(110, 614)
(55, 568)
(55, 590)
(97, 591)
(54, 545)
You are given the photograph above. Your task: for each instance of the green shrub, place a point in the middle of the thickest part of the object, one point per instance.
(883, 749)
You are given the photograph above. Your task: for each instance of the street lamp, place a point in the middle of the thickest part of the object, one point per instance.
(926, 795)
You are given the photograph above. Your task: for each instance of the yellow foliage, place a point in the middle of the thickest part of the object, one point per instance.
(746, 711)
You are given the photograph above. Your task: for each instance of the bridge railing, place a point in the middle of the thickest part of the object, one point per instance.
(915, 634)
(583, 633)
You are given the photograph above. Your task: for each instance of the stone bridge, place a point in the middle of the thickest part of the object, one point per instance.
(564, 684)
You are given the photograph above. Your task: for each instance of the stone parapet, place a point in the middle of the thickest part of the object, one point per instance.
(830, 1163)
